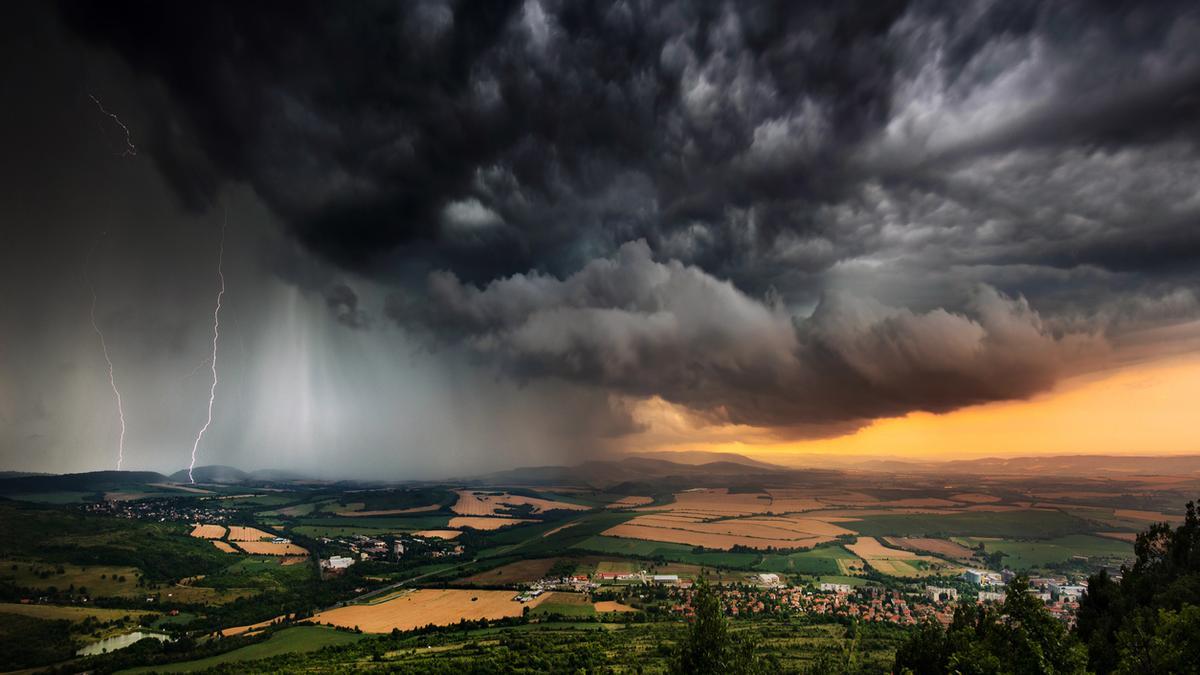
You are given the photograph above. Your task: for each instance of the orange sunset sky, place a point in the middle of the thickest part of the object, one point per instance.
(1149, 407)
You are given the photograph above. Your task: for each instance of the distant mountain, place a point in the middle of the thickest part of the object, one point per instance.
(635, 474)
(705, 457)
(21, 474)
(91, 481)
(215, 473)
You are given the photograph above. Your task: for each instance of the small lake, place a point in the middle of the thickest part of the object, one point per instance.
(118, 642)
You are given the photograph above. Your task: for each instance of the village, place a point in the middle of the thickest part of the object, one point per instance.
(769, 594)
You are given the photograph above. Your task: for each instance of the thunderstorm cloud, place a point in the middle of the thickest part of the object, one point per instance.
(800, 217)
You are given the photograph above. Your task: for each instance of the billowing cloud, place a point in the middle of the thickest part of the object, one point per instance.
(644, 328)
(792, 216)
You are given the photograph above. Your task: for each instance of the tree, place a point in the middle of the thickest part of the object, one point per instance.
(1123, 624)
(709, 647)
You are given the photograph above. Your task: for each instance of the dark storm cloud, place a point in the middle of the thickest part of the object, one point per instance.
(575, 127)
(645, 328)
(774, 213)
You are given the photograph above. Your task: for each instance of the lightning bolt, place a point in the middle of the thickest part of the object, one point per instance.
(112, 380)
(130, 148)
(212, 392)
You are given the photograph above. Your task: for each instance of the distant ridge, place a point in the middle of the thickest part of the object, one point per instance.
(705, 457)
(622, 474)
(90, 481)
(214, 473)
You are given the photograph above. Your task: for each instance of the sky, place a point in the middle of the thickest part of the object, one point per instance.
(458, 237)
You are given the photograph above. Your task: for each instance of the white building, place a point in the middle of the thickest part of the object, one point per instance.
(992, 596)
(665, 578)
(974, 576)
(769, 579)
(337, 562)
(835, 588)
(938, 594)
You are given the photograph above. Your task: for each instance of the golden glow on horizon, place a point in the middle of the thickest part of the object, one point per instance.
(1147, 408)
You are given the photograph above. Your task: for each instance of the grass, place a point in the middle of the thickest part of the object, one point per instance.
(821, 560)
(286, 641)
(565, 604)
(1023, 555)
(99, 580)
(75, 614)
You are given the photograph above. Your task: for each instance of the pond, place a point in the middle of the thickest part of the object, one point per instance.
(118, 642)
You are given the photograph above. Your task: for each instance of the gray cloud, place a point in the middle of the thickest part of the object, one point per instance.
(639, 327)
(836, 212)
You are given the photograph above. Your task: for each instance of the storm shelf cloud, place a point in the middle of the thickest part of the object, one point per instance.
(800, 217)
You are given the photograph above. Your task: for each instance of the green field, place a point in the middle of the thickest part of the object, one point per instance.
(820, 560)
(566, 604)
(1023, 555)
(287, 641)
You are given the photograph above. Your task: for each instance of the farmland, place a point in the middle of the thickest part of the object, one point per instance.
(1026, 555)
(899, 563)
(468, 551)
(422, 607)
(477, 503)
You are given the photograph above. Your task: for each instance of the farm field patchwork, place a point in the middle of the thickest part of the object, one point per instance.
(899, 563)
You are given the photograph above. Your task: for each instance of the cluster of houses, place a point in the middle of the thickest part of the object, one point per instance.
(163, 510)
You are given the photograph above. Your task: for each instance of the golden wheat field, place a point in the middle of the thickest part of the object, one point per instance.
(482, 523)
(242, 533)
(440, 607)
(208, 531)
(271, 548)
(437, 534)
(479, 503)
